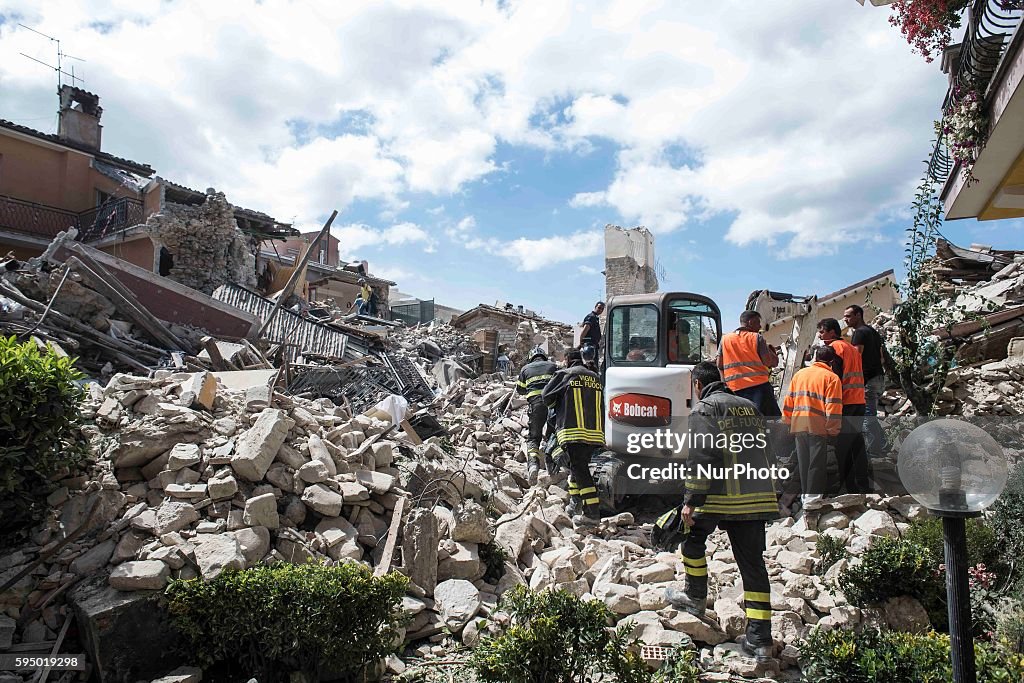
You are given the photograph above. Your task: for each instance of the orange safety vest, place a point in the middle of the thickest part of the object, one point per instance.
(742, 366)
(815, 401)
(853, 372)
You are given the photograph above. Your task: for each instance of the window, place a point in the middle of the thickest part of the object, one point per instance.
(692, 332)
(102, 197)
(633, 334)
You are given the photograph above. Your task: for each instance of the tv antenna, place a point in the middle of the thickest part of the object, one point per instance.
(61, 56)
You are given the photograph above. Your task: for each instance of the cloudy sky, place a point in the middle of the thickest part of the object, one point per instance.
(475, 150)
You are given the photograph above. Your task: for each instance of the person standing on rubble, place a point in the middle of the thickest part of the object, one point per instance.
(577, 396)
(738, 504)
(534, 376)
(591, 332)
(850, 454)
(813, 409)
(745, 360)
(867, 340)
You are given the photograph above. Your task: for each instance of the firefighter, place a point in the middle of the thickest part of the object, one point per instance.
(850, 450)
(577, 397)
(813, 409)
(532, 380)
(726, 431)
(745, 360)
(589, 355)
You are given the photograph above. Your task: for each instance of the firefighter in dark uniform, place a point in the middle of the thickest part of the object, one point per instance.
(577, 397)
(532, 380)
(725, 431)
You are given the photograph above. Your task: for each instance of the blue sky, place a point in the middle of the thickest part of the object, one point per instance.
(475, 150)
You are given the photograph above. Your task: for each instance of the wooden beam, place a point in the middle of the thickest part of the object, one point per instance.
(384, 566)
(300, 268)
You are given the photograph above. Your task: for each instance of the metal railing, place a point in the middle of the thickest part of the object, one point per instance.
(991, 25)
(40, 220)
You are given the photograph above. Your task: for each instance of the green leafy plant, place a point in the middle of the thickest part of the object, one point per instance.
(1007, 513)
(493, 556)
(273, 620)
(680, 667)
(983, 546)
(830, 550)
(555, 637)
(870, 655)
(889, 568)
(39, 431)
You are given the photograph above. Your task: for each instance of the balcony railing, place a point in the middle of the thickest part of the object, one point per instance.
(44, 221)
(990, 27)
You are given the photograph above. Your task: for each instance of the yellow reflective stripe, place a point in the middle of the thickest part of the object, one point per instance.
(762, 614)
(745, 374)
(738, 509)
(698, 484)
(815, 395)
(742, 497)
(592, 501)
(696, 571)
(578, 405)
(535, 392)
(797, 410)
(589, 489)
(695, 561)
(598, 409)
(758, 597)
(743, 364)
(538, 378)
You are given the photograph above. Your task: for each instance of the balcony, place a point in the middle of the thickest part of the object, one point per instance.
(990, 62)
(44, 222)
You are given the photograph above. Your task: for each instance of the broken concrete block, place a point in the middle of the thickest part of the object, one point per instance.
(261, 511)
(220, 488)
(7, 626)
(457, 601)
(170, 516)
(254, 543)
(340, 537)
(471, 523)
(419, 548)
(376, 482)
(183, 455)
(314, 472)
(199, 390)
(258, 446)
(186, 491)
(215, 553)
(322, 499)
(93, 559)
(140, 575)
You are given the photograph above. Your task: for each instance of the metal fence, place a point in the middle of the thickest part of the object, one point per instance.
(44, 221)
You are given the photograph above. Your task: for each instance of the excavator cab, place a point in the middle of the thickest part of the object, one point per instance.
(652, 341)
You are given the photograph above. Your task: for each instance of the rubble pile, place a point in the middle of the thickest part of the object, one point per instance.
(192, 478)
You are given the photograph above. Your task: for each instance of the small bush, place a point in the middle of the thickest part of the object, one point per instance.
(493, 556)
(555, 637)
(870, 655)
(39, 431)
(274, 620)
(983, 546)
(830, 550)
(889, 568)
(680, 667)
(1007, 513)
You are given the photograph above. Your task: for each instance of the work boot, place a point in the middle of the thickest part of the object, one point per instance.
(762, 653)
(551, 465)
(532, 470)
(573, 507)
(683, 601)
(585, 520)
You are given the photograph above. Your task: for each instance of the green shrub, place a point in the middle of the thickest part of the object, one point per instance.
(1010, 624)
(273, 620)
(680, 667)
(555, 637)
(1007, 513)
(868, 656)
(983, 546)
(493, 556)
(889, 568)
(830, 550)
(39, 431)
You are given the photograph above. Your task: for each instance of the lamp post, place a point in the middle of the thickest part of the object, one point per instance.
(955, 469)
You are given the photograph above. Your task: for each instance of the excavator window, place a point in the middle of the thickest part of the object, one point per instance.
(692, 332)
(633, 334)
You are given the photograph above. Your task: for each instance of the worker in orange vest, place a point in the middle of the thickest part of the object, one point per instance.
(813, 409)
(850, 449)
(745, 360)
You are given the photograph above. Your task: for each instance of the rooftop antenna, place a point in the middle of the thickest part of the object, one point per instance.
(61, 55)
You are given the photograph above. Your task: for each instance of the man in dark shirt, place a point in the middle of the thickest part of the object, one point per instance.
(591, 333)
(869, 343)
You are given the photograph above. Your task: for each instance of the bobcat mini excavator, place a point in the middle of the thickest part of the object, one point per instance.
(652, 342)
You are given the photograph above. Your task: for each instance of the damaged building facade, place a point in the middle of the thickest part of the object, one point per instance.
(629, 265)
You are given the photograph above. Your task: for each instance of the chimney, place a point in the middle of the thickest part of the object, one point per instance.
(79, 116)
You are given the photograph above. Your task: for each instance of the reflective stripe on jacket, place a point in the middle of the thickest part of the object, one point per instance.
(714, 487)
(742, 366)
(534, 377)
(578, 399)
(853, 372)
(815, 401)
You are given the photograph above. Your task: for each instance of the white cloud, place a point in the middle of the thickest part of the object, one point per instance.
(356, 238)
(805, 126)
(588, 270)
